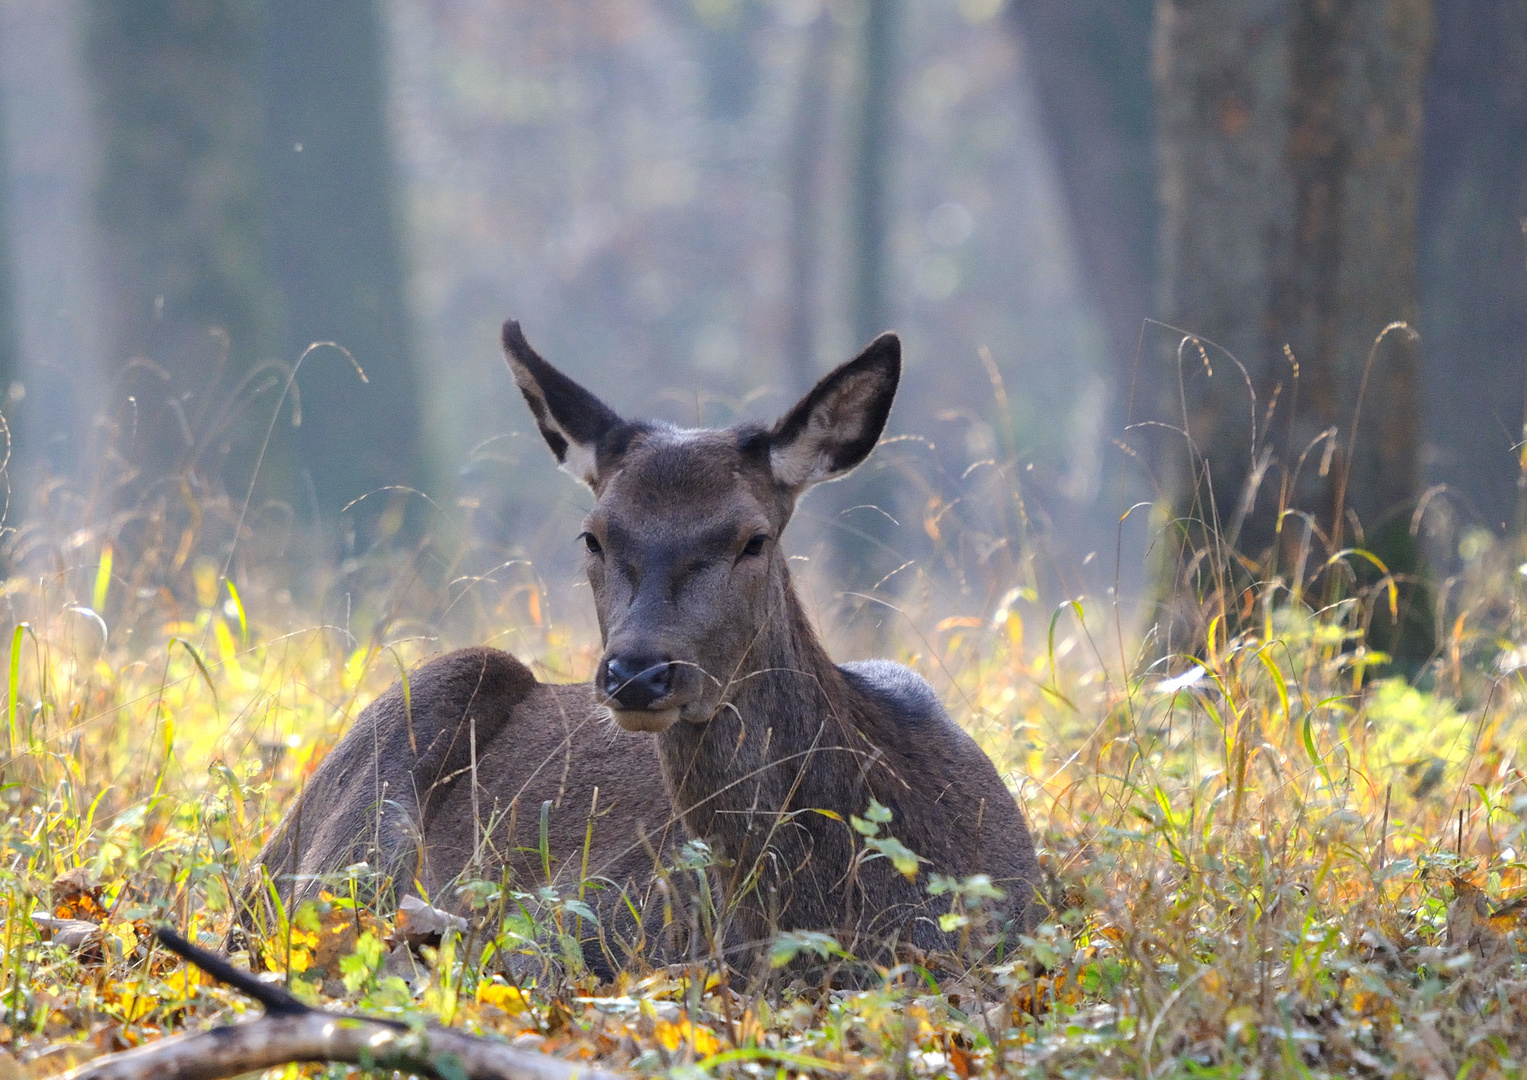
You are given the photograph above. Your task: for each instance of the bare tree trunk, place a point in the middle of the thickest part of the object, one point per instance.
(335, 247)
(808, 141)
(871, 210)
(181, 208)
(1290, 168)
(865, 549)
(10, 366)
(1473, 265)
(1091, 67)
(862, 544)
(50, 228)
(245, 199)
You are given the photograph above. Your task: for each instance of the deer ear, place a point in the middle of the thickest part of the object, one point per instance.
(835, 426)
(572, 421)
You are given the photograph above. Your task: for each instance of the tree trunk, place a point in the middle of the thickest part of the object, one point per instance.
(808, 142)
(1290, 168)
(246, 191)
(873, 158)
(1474, 256)
(1091, 69)
(335, 245)
(865, 550)
(10, 366)
(180, 204)
(53, 261)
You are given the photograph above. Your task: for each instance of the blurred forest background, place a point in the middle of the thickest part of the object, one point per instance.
(698, 206)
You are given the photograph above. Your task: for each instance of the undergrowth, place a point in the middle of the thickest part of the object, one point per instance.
(1273, 856)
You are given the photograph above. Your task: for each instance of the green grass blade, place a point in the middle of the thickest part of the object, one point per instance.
(11, 688)
(102, 580)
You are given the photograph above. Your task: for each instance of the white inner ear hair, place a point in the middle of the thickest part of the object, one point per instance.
(836, 421)
(580, 462)
(802, 462)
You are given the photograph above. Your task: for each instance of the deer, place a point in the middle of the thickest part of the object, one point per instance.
(715, 713)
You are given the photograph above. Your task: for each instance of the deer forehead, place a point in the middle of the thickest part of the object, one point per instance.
(692, 481)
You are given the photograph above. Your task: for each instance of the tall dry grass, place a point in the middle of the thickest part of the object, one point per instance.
(1271, 854)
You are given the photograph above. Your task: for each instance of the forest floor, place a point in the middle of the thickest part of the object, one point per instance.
(1273, 857)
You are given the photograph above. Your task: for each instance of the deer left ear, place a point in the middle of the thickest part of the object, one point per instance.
(572, 421)
(834, 427)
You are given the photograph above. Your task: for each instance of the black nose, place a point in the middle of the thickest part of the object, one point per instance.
(634, 681)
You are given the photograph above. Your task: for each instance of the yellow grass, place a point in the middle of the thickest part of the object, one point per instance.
(1254, 851)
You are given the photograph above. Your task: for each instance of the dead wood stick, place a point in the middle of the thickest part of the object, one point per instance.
(291, 1032)
(316, 1036)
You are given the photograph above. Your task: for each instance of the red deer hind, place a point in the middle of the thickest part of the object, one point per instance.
(732, 719)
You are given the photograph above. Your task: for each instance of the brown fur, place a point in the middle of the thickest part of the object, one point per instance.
(764, 745)
(396, 792)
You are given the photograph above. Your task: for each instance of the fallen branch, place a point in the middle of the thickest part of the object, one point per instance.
(293, 1032)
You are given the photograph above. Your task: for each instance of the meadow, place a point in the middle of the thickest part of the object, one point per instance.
(1280, 854)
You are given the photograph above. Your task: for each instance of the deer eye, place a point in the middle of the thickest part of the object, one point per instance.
(591, 542)
(756, 544)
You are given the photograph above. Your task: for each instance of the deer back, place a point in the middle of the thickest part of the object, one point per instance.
(442, 779)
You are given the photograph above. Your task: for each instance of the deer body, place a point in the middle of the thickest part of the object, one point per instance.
(742, 726)
(795, 777)
(398, 793)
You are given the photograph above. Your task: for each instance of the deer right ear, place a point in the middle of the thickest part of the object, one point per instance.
(572, 421)
(835, 426)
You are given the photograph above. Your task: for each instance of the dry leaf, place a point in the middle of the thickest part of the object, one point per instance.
(959, 1058)
(417, 924)
(76, 934)
(77, 895)
(1471, 924)
(60, 1060)
(672, 1035)
(502, 996)
(1509, 916)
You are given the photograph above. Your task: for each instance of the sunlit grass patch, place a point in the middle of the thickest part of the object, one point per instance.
(1271, 854)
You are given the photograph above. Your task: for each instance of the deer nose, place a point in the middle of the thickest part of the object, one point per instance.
(634, 681)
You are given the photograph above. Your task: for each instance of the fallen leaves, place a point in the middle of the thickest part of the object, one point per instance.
(77, 896)
(673, 1035)
(510, 999)
(75, 934)
(1473, 924)
(321, 934)
(418, 924)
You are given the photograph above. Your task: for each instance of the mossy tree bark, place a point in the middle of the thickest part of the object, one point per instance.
(1289, 158)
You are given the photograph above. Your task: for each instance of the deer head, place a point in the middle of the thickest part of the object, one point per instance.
(682, 545)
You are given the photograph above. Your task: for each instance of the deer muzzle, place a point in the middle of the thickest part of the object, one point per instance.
(638, 689)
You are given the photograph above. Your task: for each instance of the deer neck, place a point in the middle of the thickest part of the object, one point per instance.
(788, 706)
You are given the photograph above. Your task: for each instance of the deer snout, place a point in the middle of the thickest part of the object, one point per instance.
(636, 680)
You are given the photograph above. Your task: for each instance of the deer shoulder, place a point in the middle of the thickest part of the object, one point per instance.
(960, 812)
(468, 766)
(366, 800)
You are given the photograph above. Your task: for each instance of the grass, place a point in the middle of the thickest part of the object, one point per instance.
(1272, 857)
